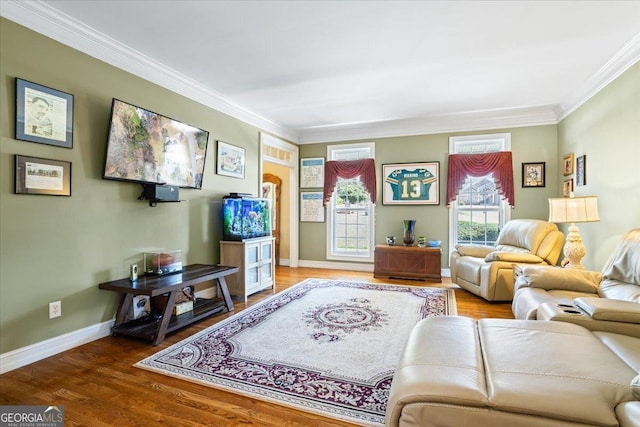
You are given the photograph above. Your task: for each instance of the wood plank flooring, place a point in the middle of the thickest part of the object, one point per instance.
(98, 385)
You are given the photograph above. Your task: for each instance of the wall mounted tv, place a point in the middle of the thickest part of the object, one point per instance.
(149, 148)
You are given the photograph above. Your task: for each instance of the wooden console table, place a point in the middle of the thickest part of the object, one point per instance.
(407, 262)
(155, 327)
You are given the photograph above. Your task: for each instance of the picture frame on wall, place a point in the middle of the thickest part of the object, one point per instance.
(43, 115)
(311, 207)
(35, 175)
(581, 170)
(533, 174)
(567, 187)
(312, 172)
(230, 160)
(411, 183)
(567, 164)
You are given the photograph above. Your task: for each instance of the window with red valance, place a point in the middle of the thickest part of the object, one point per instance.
(498, 163)
(347, 169)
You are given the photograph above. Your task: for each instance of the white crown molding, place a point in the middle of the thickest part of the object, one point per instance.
(46, 20)
(458, 122)
(621, 62)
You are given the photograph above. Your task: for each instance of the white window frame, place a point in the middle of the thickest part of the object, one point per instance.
(476, 144)
(333, 153)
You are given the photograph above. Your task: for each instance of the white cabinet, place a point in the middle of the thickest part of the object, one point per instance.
(255, 258)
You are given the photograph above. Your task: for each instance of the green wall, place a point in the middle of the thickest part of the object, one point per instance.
(606, 129)
(60, 248)
(529, 144)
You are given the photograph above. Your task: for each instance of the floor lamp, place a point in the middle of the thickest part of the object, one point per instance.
(572, 210)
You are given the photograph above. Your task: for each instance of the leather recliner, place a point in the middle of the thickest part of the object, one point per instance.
(488, 271)
(607, 301)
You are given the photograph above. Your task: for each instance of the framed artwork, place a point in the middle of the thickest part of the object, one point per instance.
(567, 164)
(43, 115)
(35, 175)
(411, 183)
(311, 208)
(230, 160)
(567, 187)
(312, 172)
(533, 174)
(581, 170)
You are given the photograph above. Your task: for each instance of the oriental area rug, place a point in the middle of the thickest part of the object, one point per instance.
(324, 346)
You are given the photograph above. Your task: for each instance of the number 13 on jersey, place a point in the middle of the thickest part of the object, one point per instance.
(411, 183)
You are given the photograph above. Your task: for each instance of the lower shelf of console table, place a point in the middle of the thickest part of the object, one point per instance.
(155, 326)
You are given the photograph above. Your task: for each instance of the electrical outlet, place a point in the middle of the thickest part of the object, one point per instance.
(55, 309)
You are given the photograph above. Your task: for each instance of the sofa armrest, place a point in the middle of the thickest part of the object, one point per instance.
(635, 387)
(476, 251)
(554, 278)
(513, 257)
(628, 413)
(610, 309)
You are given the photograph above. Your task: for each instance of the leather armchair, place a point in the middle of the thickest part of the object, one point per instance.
(606, 301)
(488, 271)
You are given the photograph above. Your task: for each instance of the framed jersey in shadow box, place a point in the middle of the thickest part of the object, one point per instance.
(411, 183)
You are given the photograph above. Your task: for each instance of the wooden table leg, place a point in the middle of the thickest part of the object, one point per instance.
(166, 317)
(123, 308)
(222, 283)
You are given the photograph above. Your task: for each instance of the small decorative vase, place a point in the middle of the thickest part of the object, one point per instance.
(409, 235)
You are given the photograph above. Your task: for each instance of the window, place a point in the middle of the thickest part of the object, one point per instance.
(350, 228)
(479, 212)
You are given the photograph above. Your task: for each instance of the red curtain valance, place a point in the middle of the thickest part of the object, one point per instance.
(498, 163)
(365, 169)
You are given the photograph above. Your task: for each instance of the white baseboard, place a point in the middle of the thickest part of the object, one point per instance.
(353, 266)
(445, 272)
(41, 350)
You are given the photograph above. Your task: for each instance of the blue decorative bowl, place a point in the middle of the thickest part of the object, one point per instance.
(434, 243)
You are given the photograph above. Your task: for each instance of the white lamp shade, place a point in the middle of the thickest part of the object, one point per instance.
(574, 209)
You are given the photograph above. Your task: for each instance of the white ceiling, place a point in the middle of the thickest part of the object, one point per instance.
(314, 71)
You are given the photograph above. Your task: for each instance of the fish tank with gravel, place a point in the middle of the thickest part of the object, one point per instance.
(245, 217)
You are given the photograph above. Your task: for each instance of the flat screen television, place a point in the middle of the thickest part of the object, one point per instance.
(149, 148)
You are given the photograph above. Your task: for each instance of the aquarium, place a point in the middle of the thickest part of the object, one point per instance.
(246, 217)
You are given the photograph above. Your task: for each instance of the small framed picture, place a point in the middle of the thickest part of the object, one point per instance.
(411, 183)
(567, 187)
(581, 170)
(312, 172)
(533, 174)
(567, 164)
(311, 208)
(230, 160)
(43, 115)
(35, 175)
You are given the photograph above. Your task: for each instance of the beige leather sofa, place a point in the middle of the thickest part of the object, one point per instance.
(607, 301)
(488, 271)
(457, 371)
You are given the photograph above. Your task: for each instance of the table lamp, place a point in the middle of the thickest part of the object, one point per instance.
(572, 210)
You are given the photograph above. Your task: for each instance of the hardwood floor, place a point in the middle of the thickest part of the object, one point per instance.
(98, 385)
